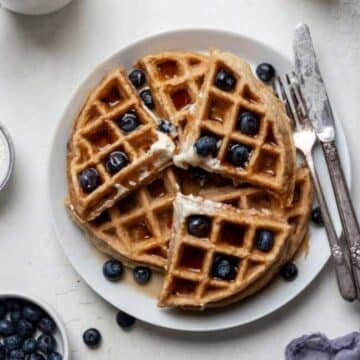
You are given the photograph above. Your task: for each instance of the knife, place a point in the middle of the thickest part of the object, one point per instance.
(322, 118)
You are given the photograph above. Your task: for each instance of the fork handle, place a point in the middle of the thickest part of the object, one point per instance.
(346, 210)
(339, 254)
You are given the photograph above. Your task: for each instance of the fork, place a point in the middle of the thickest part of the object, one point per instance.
(305, 140)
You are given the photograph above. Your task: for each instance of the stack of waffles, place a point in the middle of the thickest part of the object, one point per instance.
(162, 173)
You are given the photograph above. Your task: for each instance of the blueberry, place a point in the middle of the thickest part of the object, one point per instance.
(264, 240)
(289, 271)
(137, 78)
(198, 225)
(15, 316)
(29, 345)
(3, 309)
(239, 154)
(125, 320)
(197, 173)
(13, 304)
(17, 355)
(248, 123)
(32, 313)
(116, 161)
(6, 328)
(13, 342)
(224, 268)
(92, 337)
(142, 275)
(46, 343)
(206, 145)
(24, 328)
(128, 122)
(89, 180)
(54, 356)
(113, 270)
(147, 98)
(224, 80)
(2, 352)
(46, 325)
(166, 127)
(265, 71)
(36, 356)
(316, 216)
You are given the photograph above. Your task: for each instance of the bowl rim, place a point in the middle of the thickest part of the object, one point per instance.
(11, 147)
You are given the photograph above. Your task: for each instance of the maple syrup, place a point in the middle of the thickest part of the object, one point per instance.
(128, 203)
(232, 234)
(139, 231)
(218, 110)
(113, 98)
(168, 69)
(181, 98)
(267, 164)
(184, 287)
(192, 259)
(101, 138)
(157, 189)
(260, 201)
(270, 137)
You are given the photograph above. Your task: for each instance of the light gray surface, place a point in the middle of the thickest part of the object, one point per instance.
(43, 59)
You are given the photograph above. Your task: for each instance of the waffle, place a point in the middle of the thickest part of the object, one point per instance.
(175, 79)
(190, 281)
(96, 134)
(272, 153)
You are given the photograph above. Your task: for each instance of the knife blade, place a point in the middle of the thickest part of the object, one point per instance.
(312, 84)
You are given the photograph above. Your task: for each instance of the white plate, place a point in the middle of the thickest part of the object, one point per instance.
(85, 258)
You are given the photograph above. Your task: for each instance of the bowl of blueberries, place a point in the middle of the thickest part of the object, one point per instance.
(30, 329)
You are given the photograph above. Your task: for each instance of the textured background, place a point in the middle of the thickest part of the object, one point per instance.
(43, 59)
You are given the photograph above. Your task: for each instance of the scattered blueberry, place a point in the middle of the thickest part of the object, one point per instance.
(166, 127)
(46, 343)
(116, 161)
(32, 313)
(3, 309)
(54, 356)
(36, 356)
(17, 355)
(147, 98)
(15, 316)
(224, 268)
(248, 123)
(264, 240)
(142, 275)
(125, 320)
(198, 225)
(239, 154)
(92, 337)
(224, 80)
(13, 342)
(265, 72)
(89, 179)
(289, 271)
(206, 145)
(7, 328)
(137, 78)
(25, 328)
(2, 352)
(113, 270)
(46, 325)
(316, 216)
(29, 346)
(128, 122)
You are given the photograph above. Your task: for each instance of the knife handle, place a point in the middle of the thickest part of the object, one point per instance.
(346, 210)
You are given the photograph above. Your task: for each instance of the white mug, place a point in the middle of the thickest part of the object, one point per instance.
(34, 7)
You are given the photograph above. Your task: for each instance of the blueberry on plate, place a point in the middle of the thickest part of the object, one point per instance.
(137, 78)
(239, 155)
(36, 356)
(224, 268)
(15, 316)
(224, 80)
(142, 275)
(3, 309)
(25, 328)
(113, 270)
(46, 343)
(89, 180)
(248, 123)
(54, 356)
(125, 320)
(166, 127)
(13, 342)
(29, 345)
(198, 225)
(46, 325)
(2, 351)
(289, 271)
(316, 216)
(32, 313)
(128, 122)
(264, 240)
(147, 98)
(206, 145)
(92, 337)
(17, 355)
(7, 328)
(116, 161)
(265, 72)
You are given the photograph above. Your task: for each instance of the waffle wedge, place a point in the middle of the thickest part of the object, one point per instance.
(97, 134)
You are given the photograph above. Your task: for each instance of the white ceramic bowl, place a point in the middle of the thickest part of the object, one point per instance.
(34, 7)
(60, 334)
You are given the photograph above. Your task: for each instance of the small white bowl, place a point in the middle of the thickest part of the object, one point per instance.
(60, 334)
(34, 7)
(8, 143)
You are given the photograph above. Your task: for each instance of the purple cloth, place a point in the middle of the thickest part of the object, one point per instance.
(319, 347)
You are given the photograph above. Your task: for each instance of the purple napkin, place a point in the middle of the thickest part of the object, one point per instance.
(319, 347)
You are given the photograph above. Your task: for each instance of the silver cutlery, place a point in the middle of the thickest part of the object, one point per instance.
(305, 139)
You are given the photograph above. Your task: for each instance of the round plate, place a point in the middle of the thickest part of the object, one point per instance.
(85, 258)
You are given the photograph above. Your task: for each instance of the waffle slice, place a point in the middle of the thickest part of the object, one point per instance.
(271, 161)
(190, 280)
(175, 79)
(97, 134)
